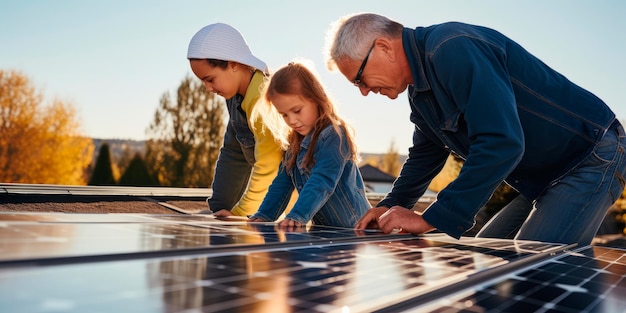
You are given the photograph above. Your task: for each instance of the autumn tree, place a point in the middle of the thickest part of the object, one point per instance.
(40, 143)
(103, 170)
(185, 136)
(448, 173)
(390, 162)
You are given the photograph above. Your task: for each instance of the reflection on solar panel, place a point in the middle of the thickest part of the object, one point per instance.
(195, 263)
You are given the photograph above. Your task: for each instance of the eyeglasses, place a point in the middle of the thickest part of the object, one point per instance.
(357, 80)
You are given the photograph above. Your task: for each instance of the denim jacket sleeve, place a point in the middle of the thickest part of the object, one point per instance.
(470, 73)
(267, 154)
(277, 197)
(330, 160)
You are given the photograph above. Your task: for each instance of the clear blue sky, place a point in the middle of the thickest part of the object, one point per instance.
(115, 59)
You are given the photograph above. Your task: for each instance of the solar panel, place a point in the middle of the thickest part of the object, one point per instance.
(80, 237)
(190, 263)
(590, 279)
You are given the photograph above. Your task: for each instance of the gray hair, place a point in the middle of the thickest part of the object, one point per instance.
(352, 35)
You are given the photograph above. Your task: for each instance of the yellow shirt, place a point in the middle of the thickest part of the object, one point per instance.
(267, 155)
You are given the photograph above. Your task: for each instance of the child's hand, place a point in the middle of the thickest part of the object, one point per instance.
(290, 223)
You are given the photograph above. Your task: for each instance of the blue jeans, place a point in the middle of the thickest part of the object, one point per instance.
(572, 209)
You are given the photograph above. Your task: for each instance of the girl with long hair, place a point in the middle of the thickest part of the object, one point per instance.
(320, 159)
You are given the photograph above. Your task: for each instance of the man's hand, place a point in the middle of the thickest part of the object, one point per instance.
(396, 218)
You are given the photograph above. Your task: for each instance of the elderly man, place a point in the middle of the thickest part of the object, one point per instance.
(478, 94)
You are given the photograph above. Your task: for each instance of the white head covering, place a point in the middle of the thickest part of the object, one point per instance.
(222, 42)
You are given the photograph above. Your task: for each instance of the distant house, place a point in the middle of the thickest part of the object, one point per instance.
(376, 181)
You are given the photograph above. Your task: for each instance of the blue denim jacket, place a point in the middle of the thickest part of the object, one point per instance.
(331, 193)
(481, 96)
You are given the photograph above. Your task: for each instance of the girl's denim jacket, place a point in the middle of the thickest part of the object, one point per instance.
(481, 96)
(330, 193)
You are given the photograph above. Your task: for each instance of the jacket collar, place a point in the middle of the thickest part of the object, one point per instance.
(415, 59)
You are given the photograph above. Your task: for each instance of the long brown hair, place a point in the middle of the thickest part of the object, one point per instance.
(297, 79)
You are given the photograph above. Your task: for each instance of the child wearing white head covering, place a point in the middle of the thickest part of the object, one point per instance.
(249, 158)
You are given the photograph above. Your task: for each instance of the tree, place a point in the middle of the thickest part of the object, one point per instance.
(39, 143)
(185, 136)
(123, 161)
(448, 173)
(390, 163)
(103, 171)
(137, 174)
